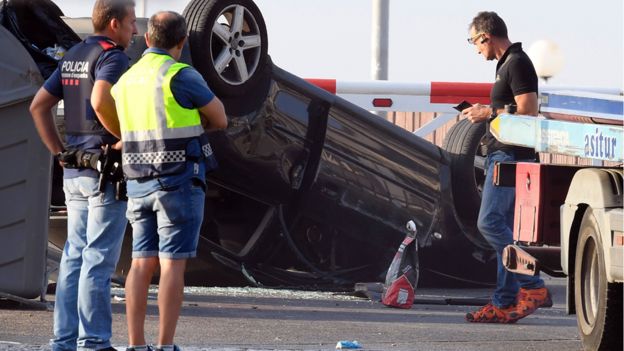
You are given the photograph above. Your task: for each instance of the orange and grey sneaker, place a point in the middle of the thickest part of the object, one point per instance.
(492, 314)
(530, 300)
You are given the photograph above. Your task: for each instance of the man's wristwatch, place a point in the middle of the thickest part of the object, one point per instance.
(493, 115)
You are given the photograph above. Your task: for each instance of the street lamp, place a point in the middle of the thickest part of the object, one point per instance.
(546, 57)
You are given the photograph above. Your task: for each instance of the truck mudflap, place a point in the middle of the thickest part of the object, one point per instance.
(531, 260)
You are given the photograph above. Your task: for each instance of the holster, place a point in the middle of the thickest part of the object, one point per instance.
(121, 190)
(111, 171)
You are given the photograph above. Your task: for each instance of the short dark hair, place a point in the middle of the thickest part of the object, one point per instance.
(105, 11)
(166, 29)
(489, 22)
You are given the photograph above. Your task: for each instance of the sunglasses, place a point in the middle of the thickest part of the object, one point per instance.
(472, 40)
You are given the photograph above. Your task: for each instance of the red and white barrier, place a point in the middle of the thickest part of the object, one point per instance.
(439, 97)
(398, 96)
(421, 97)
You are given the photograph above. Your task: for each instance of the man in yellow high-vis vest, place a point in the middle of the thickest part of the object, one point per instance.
(161, 105)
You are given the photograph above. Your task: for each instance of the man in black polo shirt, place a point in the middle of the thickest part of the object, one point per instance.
(516, 295)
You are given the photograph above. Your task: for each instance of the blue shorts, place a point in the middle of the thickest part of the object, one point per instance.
(166, 223)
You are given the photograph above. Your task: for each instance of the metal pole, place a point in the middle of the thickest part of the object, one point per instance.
(142, 8)
(381, 19)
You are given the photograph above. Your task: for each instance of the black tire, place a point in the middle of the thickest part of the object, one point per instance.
(233, 57)
(463, 145)
(598, 302)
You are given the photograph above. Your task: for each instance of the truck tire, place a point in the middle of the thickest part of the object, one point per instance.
(228, 43)
(598, 302)
(463, 145)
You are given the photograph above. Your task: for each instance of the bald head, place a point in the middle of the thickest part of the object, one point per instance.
(166, 29)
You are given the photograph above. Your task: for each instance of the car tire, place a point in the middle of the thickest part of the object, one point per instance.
(463, 145)
(598, 303)
(229, 53)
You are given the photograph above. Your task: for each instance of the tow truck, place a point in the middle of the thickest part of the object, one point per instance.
(568, 219)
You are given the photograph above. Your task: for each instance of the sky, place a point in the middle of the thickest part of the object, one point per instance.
(427, 39)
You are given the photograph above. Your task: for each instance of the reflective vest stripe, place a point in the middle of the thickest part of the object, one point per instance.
(154, 157)
(159, 102)
(162, 134)
(161, 156)
(207, 150)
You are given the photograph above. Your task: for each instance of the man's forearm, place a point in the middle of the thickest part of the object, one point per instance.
(107, 115)
(213, 115)
(41, 111)
(104, 107)
(44, 123)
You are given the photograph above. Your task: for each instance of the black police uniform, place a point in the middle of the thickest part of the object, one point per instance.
(77, 76)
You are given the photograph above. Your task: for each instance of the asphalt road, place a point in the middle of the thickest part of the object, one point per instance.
(236, 319)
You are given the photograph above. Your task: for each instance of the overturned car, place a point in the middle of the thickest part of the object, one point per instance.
(312, 191)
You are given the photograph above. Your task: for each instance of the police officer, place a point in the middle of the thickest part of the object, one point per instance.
(95, 219)
(161, 106)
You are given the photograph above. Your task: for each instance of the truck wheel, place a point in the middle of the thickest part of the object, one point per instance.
(228, 43)
(463, 144)
(598, 302)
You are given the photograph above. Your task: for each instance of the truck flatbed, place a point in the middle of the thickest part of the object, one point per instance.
(594, 141)
(575, 132)
(568, 220)
(586, 107)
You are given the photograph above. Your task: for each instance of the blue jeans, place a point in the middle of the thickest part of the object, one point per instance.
(166, 223)
(95, 229)
(496, 217)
